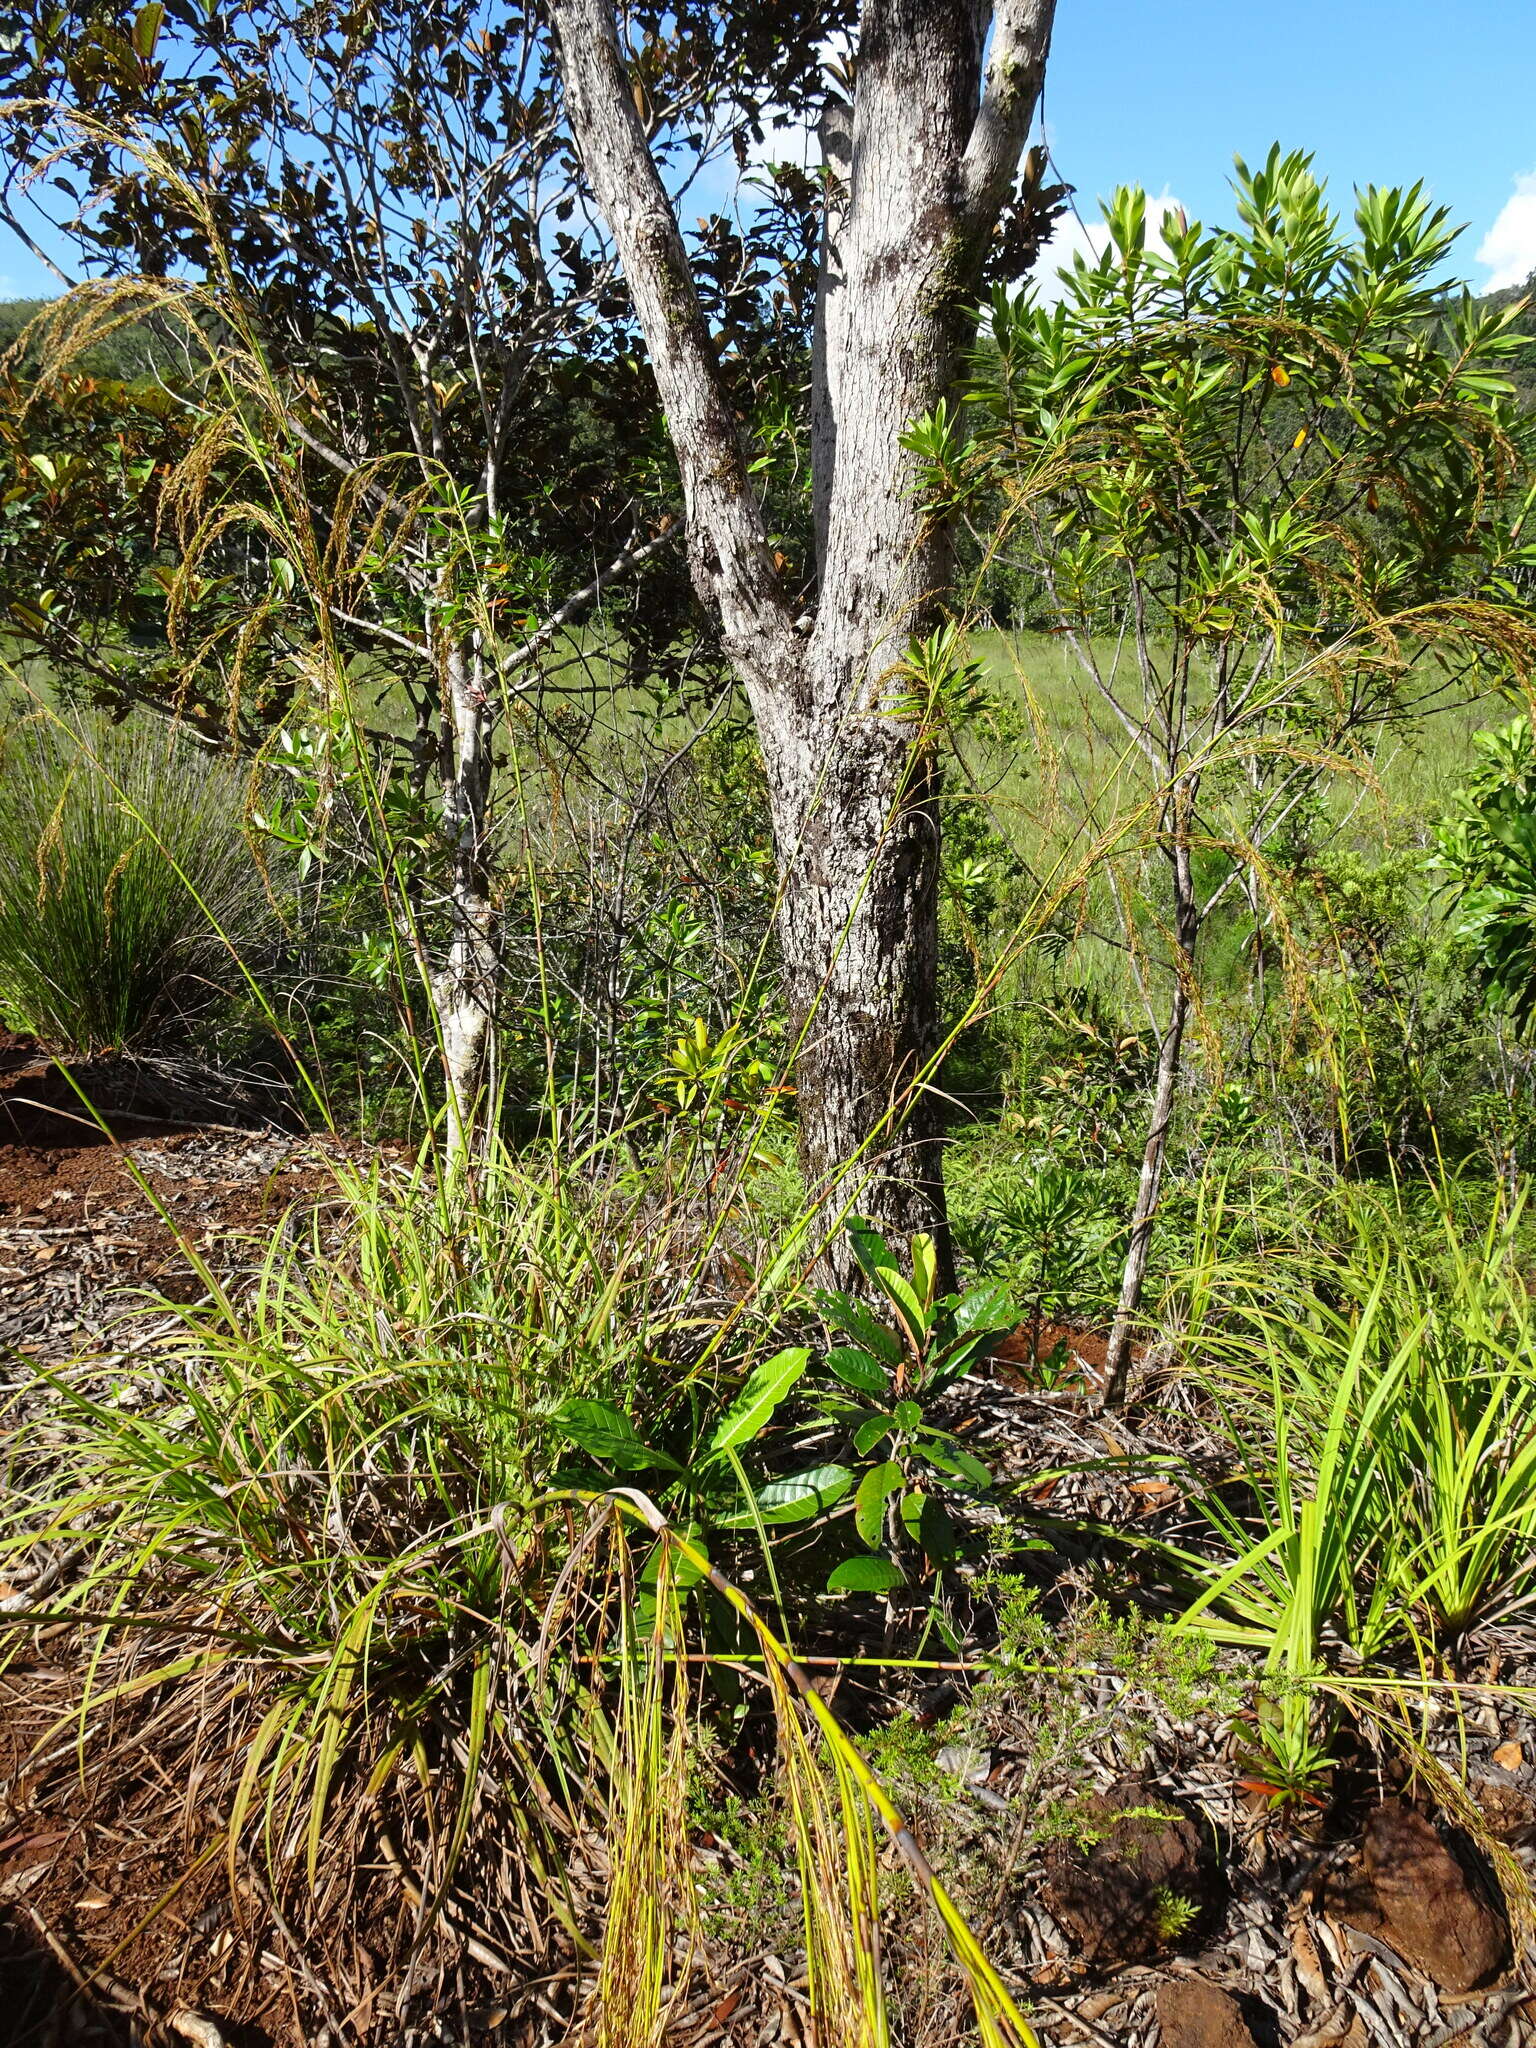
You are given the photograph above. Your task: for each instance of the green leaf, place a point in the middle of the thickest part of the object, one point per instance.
(866, 1575)
(799, 1497)
(855, 1320)
(989, 1307)
(753, 1408)
(875, 1489)
(869, 1433)
(856, 1368)
(685, 1571)
(146, 30)
(869, 1247)
(936, 1531)
(903, 1297)
(955, 1458)
(925, 1267)
(906, 1415)
(603, 1433)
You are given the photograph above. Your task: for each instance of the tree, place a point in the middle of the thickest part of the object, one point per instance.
(920, 162)
(374, 205)
(1269, 489)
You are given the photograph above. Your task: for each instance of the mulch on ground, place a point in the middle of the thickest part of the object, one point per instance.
(101, 1204)
(116, 1933)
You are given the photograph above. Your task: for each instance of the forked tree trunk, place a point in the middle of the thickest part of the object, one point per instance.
(918, 170)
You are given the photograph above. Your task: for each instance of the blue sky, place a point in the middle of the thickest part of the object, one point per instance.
(1381, 90)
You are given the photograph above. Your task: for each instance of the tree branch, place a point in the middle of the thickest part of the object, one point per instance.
(619, 567)
(1021, 41)
(729, 551)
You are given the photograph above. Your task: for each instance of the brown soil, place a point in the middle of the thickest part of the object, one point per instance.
(1085, 1352)
(92, 1214)
(95, 1219)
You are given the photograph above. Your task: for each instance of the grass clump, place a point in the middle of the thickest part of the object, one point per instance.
(128, 893)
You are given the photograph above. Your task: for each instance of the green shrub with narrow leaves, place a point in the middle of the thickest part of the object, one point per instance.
(129, 897)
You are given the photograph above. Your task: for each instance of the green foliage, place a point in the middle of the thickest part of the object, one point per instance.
(129, 897)
(878, 1389)
(1486, 850)
(1270, 490)
(1050, 1229)
(1172, 1914)
(1381, 1409)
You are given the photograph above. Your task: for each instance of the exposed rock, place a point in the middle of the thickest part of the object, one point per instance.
(1414, 1893)
(1192, 2013)
(1134, 1878)
(1508, 1808)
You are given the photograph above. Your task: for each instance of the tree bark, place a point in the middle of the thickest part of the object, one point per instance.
(464, 987)
(1186, 933)
(918, 170)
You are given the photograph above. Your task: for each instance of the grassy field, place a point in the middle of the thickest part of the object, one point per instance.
(1063, 786)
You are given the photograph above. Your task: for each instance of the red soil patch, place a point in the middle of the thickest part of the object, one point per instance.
(89, 1216)
(1019, 1357)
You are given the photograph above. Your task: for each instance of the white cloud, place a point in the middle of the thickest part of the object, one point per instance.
(1074, 236)
(1509, 247)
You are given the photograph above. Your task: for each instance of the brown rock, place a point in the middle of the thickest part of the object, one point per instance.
(1194, 2014)
(1425, 1903)
(1508, 1810)
(1134, 1877)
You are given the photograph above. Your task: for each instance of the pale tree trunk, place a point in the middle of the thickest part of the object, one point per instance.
(464, 987)
(465, 983)
(919, 168)
(1186, 933)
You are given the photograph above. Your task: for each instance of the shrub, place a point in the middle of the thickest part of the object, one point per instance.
(128, 894)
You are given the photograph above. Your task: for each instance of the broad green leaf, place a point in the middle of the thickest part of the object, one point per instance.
(146, 30)
(936, 1531)
(869, 1433)
(869, 1247)
(856, 1368)
(603, 1433)
(955, 1458)
(798, 1497)
(907, 1415)
(989, 1307)
(925, 1267)
(856, 1321)
(752, 1410)
(900, 1292)
(866, 1575)
(875, 1488)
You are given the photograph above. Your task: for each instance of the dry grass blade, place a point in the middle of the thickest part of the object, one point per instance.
(999, 2021)
(650, 1887)
(839, 1885)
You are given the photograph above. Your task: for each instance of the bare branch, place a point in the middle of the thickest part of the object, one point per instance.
(577, 602)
